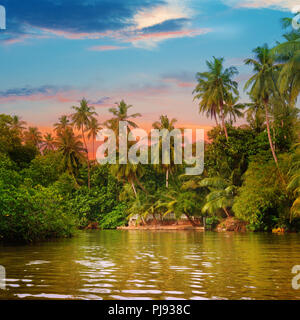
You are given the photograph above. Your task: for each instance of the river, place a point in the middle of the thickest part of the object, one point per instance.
(153, 265)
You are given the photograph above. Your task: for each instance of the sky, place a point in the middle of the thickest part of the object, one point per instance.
(147, 52)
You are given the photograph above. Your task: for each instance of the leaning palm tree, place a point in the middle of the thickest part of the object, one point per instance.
(221, 195)
(128, 173)
(167, 124)
(81, 119)
(93, 129)
(48, 143)
(120, 113)
(33, 136)
(72, 150)
(262, 84)
(62, 124)
(213, 87)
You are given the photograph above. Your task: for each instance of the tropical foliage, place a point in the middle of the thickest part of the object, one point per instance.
(49, 186)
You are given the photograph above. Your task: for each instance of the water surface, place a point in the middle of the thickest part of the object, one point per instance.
(153, 265)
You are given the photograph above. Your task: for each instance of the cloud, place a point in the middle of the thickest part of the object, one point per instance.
(71, 16)
(106, 48)
(102, 102)
(276, 4)
(47, 92)
(181, 80)
(150, 40)
(144, 23)
(171, 10)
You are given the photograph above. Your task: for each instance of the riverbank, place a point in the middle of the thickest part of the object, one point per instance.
(162, 227)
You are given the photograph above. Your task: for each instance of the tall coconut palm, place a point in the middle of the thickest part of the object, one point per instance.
(288, 53)
(62, 124)
(166, 123)
(213, 87)
(120, 113)
(81, 119)
(33, 136)
(93, 129)
(72, 150)
(262, 84)
(48, 143)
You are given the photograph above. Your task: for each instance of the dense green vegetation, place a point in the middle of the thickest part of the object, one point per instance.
(49, 186)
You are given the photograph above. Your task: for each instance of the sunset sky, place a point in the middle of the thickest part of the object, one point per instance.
(147, 52)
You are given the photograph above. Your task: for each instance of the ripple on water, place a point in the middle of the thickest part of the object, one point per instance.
(179, 268)
(129, 298)
(96, 290)
(96, 263)
(44, 295)
(174, 292)
(198, 298)
(142, 291)
(35, 262)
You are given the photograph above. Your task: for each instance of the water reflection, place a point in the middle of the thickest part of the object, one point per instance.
(153, 265)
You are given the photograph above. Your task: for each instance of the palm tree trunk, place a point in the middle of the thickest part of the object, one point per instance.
(167, 178)
(133, 188)
(269, 135)
(223, 122)
(217, 123)
(226, 211)
(94, 155)
(271, 142)
(87, 157)
(140, 185)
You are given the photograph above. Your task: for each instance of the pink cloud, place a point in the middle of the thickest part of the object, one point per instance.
(151, 39)
(180, 84)
(106, 48)
(65, 97)
(76, 35)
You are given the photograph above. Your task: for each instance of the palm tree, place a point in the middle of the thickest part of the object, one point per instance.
(288, 53)
(33, 136)
(121, 114)
(294, 184)
(167, 124)
(233, 109)
(213, 87)
(72, 150)
(81, 119)
(221, 195)
(62, 124)
(255, 116)
(128, 172)
(17, 124)
(263, 85)
(48, 143)
(181, 203)
(93, 129)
